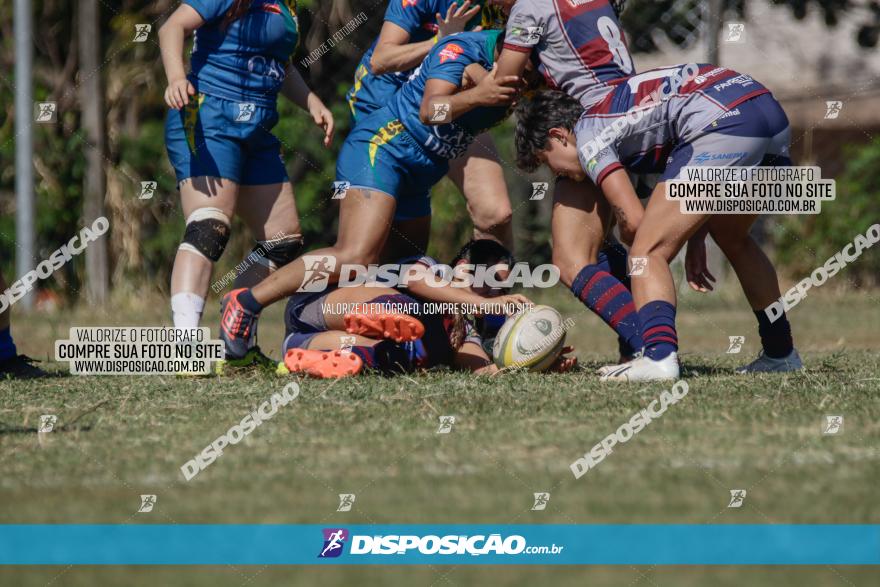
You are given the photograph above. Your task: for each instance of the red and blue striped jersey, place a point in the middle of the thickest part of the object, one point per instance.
(579, 43)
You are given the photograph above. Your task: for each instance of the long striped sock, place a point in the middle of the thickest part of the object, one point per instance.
(608, 298)
(658, 329)
(775, 336)
(613, 260)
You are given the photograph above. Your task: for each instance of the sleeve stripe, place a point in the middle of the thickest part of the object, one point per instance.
(604, 173)
(518, 48)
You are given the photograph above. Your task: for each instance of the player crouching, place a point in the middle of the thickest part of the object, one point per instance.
(673, 117)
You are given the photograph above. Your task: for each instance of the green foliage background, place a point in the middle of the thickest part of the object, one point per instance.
(145, 234)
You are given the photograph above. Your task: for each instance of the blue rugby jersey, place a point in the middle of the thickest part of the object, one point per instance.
(245, 61)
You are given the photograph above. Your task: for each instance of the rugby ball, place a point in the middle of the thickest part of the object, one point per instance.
(531, 339)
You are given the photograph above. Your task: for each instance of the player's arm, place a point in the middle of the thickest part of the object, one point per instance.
(621, 196)
(394, 52)
(513, 61)
(489, 91)
(471, 357)
(297, 91)
(172, 34)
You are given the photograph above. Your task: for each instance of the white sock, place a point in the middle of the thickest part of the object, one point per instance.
(186, 310)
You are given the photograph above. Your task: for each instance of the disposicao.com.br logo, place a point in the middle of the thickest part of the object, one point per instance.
(334, 540)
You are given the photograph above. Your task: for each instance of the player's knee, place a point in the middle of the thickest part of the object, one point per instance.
(278, 252)
(489, 218)
(347, 255)
(207, 233)
(570, 265)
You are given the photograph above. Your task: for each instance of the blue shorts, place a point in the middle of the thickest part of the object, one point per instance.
(755, 132)
(379, 154)
(212, 137)
(303, 319)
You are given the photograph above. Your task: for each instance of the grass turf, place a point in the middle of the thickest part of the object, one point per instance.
(514, 435)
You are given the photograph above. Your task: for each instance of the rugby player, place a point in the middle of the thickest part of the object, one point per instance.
(580, 49)
(218, 137)
(12, 364)
(390, 162)
(397, 330)
(410, 30)
(693, 110)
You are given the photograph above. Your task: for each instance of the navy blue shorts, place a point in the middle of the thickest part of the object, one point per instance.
(212, 137)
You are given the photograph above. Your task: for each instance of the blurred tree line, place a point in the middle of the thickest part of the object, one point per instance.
(145, 233)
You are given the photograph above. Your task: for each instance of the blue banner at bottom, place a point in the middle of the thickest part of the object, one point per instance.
(483, 544)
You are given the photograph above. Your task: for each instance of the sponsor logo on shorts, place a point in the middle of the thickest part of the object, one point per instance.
(707, 156)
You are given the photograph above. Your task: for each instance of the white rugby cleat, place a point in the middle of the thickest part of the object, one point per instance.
(765, 364)
(643, 369)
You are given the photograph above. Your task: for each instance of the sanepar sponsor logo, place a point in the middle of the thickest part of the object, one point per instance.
(432, 544)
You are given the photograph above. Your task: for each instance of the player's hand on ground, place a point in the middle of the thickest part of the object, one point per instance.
(495, 91)
(178, 92)
(323, 118)
(564, 364)
(456, 19)
(696, 267)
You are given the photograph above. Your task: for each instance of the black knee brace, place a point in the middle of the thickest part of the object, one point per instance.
(207, 232)
(278, 252)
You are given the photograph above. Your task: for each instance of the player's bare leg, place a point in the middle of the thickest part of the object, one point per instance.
(208, 205)
(588, 261)
(269, 211)
(661, 234)
(757, 276)
(365, 218)
(756, 273)
(580, 222)
(408, 238)
(479, 176)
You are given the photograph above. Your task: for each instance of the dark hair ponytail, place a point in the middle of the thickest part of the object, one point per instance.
(238, 9)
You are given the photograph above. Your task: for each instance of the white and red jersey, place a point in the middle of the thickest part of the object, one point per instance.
(579, 44)
(644, 117)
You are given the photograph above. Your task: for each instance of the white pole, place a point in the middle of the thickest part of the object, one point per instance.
(24, 147)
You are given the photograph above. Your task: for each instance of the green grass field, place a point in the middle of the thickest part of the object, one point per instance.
(514, 435)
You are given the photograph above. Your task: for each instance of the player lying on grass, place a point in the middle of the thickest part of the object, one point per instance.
(674, 117)
(347, 329)
(390, 162)
(410, 30)
(579, 48)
